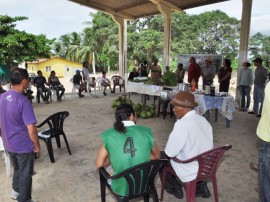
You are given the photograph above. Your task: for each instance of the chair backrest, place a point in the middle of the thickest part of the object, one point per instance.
(117, 80)
(55, 122)
(208, 161)
(141, 177)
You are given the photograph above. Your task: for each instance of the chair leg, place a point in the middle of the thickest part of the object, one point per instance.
(146, 198)
(215, 188)
(65, 138)
(159, 103)
(50, 149)
(190, 188)
(155, 195)
(102, 192)
(163, 181)
(58, 143)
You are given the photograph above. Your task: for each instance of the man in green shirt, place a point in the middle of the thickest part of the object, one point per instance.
(125, 146)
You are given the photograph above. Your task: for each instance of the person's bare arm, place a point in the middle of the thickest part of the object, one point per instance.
(32, 131)
(102, 159)
(155, 153)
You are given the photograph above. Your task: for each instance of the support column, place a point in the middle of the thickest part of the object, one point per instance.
(166, 12)
(122, 30)
(244, 38)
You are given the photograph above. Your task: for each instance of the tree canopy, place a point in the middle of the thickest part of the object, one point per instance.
(210, 32)
(18, 45)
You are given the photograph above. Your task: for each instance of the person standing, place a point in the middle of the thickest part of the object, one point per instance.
(19, 134)
(208, 72)
(263, 132)
(194, 71)
(155, 71)
(259, 85)
(180, 73)
(191, 135)
(245, 82)
(224, 76)
(126, 145)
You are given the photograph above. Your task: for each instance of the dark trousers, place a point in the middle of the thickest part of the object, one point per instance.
(57, 89)
(244, 90)
(224, 86)
(22, 178)
(41, 90)
(264, 172)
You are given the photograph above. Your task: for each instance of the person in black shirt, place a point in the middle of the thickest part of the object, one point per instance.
(78, 83)
(40, 82)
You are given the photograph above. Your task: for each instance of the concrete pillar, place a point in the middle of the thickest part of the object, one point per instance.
(122, 30)
(244, 38)
(166, 12)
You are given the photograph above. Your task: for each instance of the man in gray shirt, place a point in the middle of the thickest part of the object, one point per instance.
(259, 85)
(245, 82)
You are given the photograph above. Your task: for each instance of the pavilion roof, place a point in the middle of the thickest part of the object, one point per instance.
(133, 9)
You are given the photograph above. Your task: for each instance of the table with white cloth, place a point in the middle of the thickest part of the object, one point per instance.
(225, 105)
(144, 89)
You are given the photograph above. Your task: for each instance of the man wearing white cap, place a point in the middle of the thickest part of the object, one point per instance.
(245, 82)
(192, 135)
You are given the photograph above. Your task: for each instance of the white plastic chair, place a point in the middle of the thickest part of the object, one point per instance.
(6, 156)
(54, 94)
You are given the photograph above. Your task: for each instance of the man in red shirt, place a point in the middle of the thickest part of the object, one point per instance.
(194, 71)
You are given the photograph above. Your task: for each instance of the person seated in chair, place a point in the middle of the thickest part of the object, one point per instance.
(192, 135)
(133, 74)
(126, 145)
(77, 81)
(105, 82)
(40, 81)
(56, 85)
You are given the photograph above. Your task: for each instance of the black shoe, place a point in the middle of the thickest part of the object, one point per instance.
(104, 94)
(112, 91)
(252, 112)
(178, 193)
(259, 115)
(202, 190)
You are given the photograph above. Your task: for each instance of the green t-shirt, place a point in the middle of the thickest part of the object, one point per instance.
(127, 150)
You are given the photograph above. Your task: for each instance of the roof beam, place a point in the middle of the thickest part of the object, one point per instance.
(106, 9)
(132, 6)
(168, 4)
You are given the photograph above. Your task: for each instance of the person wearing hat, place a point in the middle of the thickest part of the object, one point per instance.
(208, 72)
(245, 82)
(192, 135)
(259, 85)
(78, 83)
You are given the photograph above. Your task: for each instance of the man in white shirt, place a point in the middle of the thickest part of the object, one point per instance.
(192, 135)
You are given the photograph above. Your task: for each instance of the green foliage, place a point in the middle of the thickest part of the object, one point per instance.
(169, 78)
(19, 45)
(259, 45)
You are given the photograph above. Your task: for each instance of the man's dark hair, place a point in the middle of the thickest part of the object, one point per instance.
(103, 72)
(227, 62)
(17, 75)
(84, 63)
(123, 112)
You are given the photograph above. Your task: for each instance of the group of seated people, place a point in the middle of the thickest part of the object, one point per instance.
(127, 144)
(53, 84)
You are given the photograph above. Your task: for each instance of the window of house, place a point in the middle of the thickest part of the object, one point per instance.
(48, 68)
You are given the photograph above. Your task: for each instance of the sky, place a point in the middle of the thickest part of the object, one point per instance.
(57, 17)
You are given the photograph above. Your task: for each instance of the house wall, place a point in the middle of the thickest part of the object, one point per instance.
(62, 67)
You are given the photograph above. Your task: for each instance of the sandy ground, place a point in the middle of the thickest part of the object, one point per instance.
(75, 178)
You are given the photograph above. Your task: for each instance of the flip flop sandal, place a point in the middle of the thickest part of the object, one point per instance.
(254, 166)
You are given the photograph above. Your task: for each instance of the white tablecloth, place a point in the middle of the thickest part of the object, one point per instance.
(142, 88)
(225, 105)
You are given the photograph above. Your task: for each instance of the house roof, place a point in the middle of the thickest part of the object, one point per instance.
(46, 59)
(133, 9)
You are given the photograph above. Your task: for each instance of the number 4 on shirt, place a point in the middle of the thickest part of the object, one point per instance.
(129, 147)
